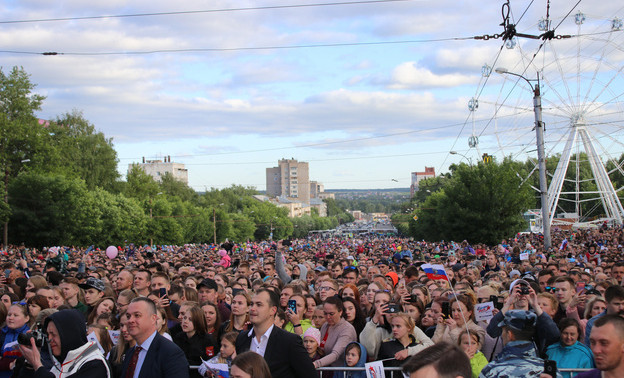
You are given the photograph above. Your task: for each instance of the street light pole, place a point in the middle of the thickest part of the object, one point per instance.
(541, 156)
(464, 156)
(151, 220)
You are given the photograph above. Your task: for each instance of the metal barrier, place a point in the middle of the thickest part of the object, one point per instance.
(397, 371)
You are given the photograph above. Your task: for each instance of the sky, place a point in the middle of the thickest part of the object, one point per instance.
(365, 91)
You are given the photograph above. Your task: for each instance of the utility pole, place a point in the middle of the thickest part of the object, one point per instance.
(541, 156)
(6, 201)
(539, 131)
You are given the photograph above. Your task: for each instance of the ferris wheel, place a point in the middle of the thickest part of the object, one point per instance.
(580, 74)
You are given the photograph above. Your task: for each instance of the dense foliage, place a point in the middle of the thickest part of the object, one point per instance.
(61, 187)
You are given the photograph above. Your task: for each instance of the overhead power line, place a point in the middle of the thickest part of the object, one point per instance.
(176, 13)
(228, 49)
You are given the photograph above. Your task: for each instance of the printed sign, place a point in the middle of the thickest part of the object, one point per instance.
(91, 337)
(483, 311)
(524, 256)
(114, 335)
(374, 369)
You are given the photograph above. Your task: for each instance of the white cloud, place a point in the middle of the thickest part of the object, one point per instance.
(409, 75)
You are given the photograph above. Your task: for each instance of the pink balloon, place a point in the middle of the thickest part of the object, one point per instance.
(111, 252)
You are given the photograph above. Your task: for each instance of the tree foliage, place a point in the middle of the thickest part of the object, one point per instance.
(481, 203)
(21, 137)
(78, 150)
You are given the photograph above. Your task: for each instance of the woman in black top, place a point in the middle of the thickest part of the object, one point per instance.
(194, 341)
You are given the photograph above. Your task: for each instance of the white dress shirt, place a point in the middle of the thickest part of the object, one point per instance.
(260, 346)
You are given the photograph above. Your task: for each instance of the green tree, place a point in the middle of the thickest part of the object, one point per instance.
(21, 136)
(176, 188)
(56, 210)
(480, 203)
(140, 185)
(80, 151)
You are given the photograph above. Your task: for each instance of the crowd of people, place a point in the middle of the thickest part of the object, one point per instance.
(288, 308)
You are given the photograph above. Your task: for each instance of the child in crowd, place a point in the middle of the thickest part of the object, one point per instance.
(311, 341)
(470, 344)
(355, 356)
(225, 356)
(318, 317)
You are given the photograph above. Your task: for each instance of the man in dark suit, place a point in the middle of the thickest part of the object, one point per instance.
(153, 356)
(283, 351)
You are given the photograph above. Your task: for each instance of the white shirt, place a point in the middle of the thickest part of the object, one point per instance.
(260, 346)
(145, 347)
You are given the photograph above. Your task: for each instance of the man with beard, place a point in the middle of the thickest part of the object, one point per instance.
(614, 295)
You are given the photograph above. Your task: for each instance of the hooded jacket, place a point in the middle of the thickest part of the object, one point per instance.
(281, 271)
(360, 363)
(79, 357)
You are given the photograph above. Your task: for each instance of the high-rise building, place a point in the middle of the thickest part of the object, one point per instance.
(158, 168)
(316, 188)
(417, 176)
(290, 179)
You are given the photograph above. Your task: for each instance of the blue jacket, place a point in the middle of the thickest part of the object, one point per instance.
(590, 325)
(360, 363)
(575, 356)
(8, 355)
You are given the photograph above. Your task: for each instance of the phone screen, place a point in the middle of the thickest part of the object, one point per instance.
(163, 292)
(292, 304)
(446, 309)
(580, 286)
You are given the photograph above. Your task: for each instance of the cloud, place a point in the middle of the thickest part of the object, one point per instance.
(409, 75)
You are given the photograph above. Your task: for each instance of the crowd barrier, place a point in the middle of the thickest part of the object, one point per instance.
(396, 371)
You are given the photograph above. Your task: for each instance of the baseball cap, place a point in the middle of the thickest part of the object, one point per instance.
(209, 283)
(457, 267)
(93, 283)
(519, 281)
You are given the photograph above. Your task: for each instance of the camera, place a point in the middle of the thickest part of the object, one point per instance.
(24, 338)
(498, 305)
(524, 290)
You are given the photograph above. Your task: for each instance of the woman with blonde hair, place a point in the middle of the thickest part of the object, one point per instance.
(402, 338)
(125, 343)
(462, 317)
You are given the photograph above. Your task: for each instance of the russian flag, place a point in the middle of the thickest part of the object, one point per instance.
(434, 271)
(564, 245)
